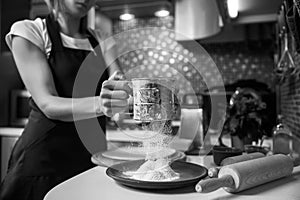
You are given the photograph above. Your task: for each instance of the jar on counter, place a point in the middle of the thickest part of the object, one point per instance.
(282, 138)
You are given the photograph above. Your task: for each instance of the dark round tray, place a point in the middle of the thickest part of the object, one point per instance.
(190, 174)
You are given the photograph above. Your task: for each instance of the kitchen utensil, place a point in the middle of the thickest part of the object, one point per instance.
(244, 175)
(153, 99)
(189, 175)
(213, 172)
(253, 148)
(241, 158)
(220, 153)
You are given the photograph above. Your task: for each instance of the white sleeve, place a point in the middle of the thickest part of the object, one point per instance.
(33, 31)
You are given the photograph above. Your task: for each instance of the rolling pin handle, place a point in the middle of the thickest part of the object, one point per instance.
(213, 172)
(210, 185)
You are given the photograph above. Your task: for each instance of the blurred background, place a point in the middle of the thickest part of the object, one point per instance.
(244, 39)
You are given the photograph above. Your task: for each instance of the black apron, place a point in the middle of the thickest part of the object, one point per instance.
(50, 151)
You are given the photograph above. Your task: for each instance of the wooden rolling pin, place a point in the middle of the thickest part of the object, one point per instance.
(213, 171)
(244, 175)
(241, 158)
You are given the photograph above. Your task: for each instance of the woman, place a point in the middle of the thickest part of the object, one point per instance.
(48, 54)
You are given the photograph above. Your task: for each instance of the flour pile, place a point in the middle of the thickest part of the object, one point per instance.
(157, 164)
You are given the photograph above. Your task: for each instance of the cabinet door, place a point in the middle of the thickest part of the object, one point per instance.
(7, 144)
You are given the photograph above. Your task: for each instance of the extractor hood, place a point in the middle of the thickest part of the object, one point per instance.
(196, 19)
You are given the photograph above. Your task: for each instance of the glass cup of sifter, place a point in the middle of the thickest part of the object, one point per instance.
(153, 99)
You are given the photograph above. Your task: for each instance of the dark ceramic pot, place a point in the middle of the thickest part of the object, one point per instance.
(220, 153)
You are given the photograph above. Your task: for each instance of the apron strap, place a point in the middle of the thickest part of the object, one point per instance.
(53, 31)
(92, 40)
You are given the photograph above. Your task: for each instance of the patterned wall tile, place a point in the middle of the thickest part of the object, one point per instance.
(192, 69)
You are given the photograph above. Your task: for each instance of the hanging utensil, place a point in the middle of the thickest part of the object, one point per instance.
(286, 65)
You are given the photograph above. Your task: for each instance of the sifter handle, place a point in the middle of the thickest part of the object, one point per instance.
(212, 184)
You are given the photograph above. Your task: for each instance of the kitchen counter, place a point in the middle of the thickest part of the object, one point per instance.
(94, 184)
(111, 135)
(11, 131)
(8, 138)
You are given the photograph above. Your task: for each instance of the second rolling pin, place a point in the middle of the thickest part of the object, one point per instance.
(244, 175)
(213, 172)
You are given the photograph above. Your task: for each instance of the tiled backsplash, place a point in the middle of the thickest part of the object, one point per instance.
(155, 52)
(235, 61)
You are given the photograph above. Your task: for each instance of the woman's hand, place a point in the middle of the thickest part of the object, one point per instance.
(114, 95)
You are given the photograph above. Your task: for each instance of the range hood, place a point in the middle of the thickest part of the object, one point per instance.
(196, 19)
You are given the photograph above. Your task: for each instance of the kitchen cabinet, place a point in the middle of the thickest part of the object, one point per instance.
(8, 137)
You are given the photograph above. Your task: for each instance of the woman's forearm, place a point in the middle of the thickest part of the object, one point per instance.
(71, 109)
(112, 99)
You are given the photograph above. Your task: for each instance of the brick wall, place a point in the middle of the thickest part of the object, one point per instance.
(290, 101)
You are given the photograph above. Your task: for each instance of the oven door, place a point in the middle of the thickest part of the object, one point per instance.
(19, 108)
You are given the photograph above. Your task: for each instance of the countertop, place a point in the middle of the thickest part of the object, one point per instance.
(122, 136)
(94, 184)
(11, 131)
